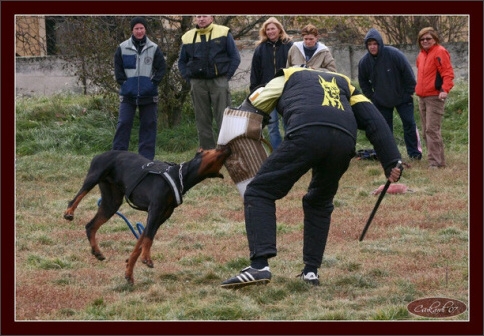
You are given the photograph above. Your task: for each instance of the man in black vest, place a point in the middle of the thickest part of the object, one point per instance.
(208, 59)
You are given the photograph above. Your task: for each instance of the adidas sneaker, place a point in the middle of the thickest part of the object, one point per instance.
(248, 276)
(310, 278)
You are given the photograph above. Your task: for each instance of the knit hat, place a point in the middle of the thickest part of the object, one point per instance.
(138, 19)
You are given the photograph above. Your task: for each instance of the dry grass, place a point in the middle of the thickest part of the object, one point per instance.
(416, 247)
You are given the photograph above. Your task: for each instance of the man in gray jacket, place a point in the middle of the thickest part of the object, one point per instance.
(139, 67)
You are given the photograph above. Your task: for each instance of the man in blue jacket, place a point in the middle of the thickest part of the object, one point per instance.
(387, 79)
(139, 67)
(208, 59)
(322, 112)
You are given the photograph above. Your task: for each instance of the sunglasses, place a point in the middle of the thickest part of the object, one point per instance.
(426, 39)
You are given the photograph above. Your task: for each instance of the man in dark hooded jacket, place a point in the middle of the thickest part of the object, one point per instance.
(387, 79)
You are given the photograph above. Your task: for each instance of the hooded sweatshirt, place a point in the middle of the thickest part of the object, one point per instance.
(321, 60)
(387, 79)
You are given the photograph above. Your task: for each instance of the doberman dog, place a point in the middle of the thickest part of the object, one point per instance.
(126, 174)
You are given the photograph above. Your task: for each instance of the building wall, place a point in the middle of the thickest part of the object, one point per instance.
(30, 36)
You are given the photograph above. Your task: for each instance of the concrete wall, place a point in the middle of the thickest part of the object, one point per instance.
(46, 76)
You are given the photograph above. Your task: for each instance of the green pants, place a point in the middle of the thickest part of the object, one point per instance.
(210, 97)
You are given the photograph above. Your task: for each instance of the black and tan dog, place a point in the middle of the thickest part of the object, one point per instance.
(152, 186)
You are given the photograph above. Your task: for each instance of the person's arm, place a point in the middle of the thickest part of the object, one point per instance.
(255, 70)
(233, 54)
(377, 131)
(182, 62)
(446, 71)
(407, 75)
(326, 62)
(266, 99)
(119, 73)
(159, 67)
(364, 80)
(290, 56)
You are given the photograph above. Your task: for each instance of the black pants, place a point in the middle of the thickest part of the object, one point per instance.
(327, 152)
(148, 115)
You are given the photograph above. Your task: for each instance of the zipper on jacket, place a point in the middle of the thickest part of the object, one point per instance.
(274, 49)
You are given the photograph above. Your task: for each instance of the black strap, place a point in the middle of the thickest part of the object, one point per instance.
(162, 168)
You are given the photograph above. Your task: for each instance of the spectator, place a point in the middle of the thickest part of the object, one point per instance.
(208, 60)
(387, 79)
(435, 79)
(322, 112)
(310, 53)
(139, 67)
(269, 56)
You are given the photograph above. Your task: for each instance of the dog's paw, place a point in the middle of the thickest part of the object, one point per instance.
(129, 279)
(69, 216)
(98, 255)
(148, 263)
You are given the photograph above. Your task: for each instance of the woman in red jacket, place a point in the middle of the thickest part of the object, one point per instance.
(435, 77)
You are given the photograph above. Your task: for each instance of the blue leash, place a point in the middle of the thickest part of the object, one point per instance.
(139, 226)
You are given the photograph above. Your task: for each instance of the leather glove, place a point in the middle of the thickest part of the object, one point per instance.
(247, 106)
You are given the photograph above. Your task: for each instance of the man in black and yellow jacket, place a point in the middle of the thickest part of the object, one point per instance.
(322, 112)
(208, 59)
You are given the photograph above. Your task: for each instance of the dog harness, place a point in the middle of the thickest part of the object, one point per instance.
(163, 169)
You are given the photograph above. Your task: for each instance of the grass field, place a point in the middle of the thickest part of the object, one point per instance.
(417, 246)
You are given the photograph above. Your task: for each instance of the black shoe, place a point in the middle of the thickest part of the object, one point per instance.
(416, 157)
(310, 278)
(248, 276)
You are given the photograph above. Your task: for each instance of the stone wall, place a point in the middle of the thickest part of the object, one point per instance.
(45, 75)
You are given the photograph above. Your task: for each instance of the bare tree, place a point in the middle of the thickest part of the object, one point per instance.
(88, 45)
(405, 29)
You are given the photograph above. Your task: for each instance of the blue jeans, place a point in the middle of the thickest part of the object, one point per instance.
(410, 131)
(147, 128)
(275, 137)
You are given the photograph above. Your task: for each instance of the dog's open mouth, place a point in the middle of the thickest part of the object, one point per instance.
(225, 149)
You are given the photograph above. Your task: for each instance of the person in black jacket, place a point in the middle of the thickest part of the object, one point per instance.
(269, 56)
(387, 79)
(208, 59)
(322, 112)
(139, 67)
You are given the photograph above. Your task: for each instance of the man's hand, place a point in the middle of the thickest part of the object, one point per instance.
(396, 173)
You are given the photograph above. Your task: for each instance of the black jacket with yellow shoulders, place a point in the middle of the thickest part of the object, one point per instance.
(306, 97)
(208, 53)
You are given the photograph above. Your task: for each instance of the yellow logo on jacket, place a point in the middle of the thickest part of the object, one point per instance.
(331, 93)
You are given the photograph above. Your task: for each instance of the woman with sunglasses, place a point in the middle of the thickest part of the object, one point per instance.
(435, 77)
